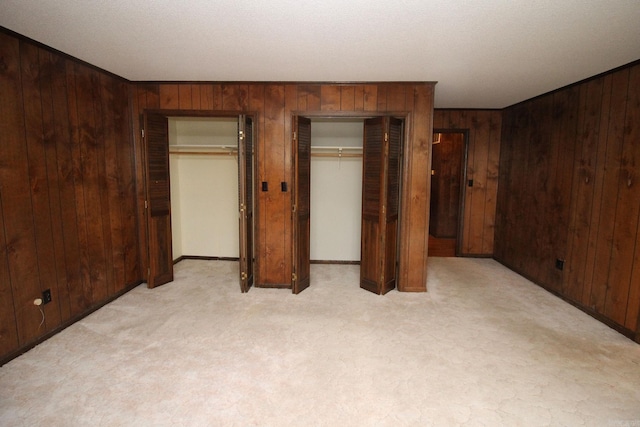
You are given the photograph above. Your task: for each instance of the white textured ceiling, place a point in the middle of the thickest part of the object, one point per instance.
(483, 54)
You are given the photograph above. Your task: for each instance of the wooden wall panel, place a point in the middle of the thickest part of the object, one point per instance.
(274, 105)
(591, 211)
(483, 128)
(68, 191)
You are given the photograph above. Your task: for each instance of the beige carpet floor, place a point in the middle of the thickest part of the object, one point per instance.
(484, 347)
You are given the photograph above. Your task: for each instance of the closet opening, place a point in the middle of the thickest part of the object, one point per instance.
(336, 190)
(199, 191)
(448, 171)
(346, 196)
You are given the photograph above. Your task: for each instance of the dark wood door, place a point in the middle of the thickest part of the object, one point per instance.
(301, 207)
(158, 199)
(380, 203)
(446, 183)
(245, 190)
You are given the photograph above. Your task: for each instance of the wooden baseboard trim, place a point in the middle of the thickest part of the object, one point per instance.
(632, 335)
(274, 285)
(204, 258)
(319, 261)
(23, 349)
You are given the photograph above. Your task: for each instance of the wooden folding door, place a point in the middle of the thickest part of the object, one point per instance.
(380, 203)
(245, 187)
(301, 208)
(158, 199)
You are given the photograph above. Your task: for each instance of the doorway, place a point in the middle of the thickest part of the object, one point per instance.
(382, 143)
(158, 188)
(447, 195)
(203, 173)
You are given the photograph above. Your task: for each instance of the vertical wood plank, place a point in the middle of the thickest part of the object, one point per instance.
(396, 97)
(196, 103)
(17, 212)
(185, 101)
(217, 96)
(235, 97)
(257, 104)
(370, 97)
(206, 96)
(493, 161)
(414, 227)
(589, 127)
(632, 320)
(290, 105)
(598, 187)
(169, 96)
(274, 262)
(330, 98)
(38, 178)
(381, 96)
(358, 98)
(128, 190)
(12, 327)
(111, 185)
(628, 209)
(50, 137)
(347, 98)
(87, 98)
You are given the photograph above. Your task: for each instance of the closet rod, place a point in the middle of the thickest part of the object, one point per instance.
(206, 153)
(335, 155)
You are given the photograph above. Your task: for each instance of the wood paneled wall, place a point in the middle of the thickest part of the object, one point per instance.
(274, 105)
(570, 190)
(68, 219)
(483, 128)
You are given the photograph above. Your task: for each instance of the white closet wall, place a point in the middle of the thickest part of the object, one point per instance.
(336, 191)
(204, 188)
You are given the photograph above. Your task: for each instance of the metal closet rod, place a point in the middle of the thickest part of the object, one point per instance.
(338, 154)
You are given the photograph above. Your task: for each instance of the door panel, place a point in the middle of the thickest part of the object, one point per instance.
(245, 190)
(156, 136)
(380, 201)
(301, 214)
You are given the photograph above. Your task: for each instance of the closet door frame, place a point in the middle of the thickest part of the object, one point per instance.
(404, 165)
(146, 217)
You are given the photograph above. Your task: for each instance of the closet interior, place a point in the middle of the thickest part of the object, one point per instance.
(203, 154)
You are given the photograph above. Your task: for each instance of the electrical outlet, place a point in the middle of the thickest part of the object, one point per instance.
(46, 296)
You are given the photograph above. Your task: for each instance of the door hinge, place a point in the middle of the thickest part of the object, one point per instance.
(294, 207)
(386, 137)
(148, 273)
(241, 207)
(243, 276)
(384, 209)
(295, 136)
(146, 204)
(294, 277)
(142, 132)
(241, 134)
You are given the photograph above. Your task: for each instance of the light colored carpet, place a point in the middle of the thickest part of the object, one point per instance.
(484, 347)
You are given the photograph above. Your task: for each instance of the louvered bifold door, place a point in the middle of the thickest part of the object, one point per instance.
(380, 193)
(301, 204)
(245, 190)
(391, 212)
(156, 136)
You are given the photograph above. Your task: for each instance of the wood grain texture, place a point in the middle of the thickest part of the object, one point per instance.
(68, 190)
(591, 211)
(483, 128)
(274, 105)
